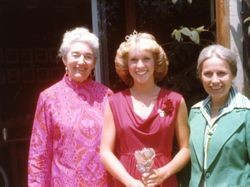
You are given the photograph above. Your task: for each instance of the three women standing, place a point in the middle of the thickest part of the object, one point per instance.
(64, 147)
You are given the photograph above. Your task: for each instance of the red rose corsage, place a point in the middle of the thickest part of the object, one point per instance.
(166, 108)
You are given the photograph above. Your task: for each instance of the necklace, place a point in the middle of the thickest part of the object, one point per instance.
(143, 103)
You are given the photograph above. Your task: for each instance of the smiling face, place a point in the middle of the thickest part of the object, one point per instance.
(141, 65)
(216, 78)
(80, 61)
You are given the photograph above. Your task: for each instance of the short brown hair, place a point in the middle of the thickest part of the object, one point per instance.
(221, 52)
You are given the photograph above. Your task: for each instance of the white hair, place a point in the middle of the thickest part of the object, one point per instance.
(78, 34)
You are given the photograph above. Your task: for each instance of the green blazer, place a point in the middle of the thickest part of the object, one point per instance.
(228, 159)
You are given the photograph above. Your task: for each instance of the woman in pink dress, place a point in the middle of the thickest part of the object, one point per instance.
(65, 141)
(144, 117)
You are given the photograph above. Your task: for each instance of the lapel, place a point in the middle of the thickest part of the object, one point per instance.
(228, 124)
(197, 135)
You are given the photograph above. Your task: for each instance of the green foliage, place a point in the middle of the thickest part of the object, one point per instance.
(247, 20)
(192, 33)
(175, 1)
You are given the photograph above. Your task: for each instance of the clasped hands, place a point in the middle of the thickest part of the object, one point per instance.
(153, 178)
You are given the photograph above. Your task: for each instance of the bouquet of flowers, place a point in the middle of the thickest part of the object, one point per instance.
(144, 159)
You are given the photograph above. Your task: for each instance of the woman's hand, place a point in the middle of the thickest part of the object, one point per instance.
(154, 178)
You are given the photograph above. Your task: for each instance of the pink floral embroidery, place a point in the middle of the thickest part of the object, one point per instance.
(166, 108)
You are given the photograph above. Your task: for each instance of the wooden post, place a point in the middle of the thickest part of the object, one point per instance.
(222, 22)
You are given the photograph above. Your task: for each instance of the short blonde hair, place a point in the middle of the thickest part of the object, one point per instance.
(132, 41)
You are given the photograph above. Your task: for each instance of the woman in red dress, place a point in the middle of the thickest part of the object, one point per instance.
(144, 116)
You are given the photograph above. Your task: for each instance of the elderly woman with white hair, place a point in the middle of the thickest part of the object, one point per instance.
(65, 140)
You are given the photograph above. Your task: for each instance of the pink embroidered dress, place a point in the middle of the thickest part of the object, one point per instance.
(135, 133)
(64, 146)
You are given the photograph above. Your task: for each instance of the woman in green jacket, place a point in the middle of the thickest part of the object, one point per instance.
(219, 124)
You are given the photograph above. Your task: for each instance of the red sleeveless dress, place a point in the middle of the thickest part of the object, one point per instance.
(134, 133)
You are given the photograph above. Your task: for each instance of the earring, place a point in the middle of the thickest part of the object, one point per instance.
(66, 71)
